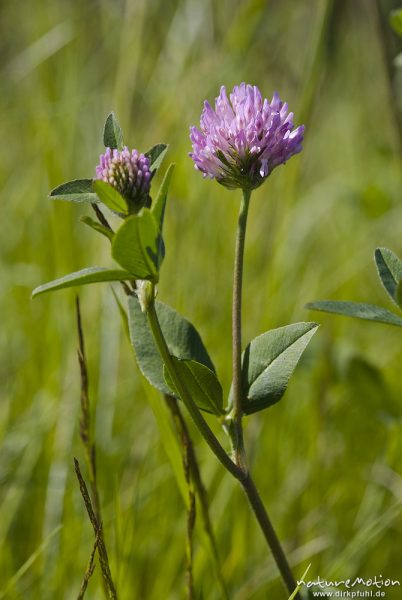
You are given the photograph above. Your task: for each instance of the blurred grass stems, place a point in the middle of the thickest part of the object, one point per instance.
(193, 475)
(11, 585)
(313, 69)
(91, 566)
(90, 458)
(238, 473)
(85, 421)
(384, 33)
(102, 551)
(182, 432)
(190, 464)
(191, 516)
(348, 199)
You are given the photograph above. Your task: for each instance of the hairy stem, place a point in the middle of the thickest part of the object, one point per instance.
(197, 417)
(237, 431)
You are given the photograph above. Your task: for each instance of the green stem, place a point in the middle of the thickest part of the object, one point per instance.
(269, 534)
(243, 477)
(236, 429)
(237, 413)
(197, 417)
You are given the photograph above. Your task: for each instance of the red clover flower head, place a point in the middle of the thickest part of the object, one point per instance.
(128, 172)
(242, 141)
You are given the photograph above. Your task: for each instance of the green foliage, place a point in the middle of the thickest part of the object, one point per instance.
(359, 310)
(399, 294)
(156, 154)
(83, 277)
(112, 133)
(98, 227)
(396, 21)
(78, 190)
(183, 340)
(200, 382)
(158, 209)
(269, 361)
(110, 197)
(309, 237)
(159, 204)
(136, 246)
(389, 268)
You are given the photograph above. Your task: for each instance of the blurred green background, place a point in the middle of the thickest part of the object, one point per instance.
(327, 457)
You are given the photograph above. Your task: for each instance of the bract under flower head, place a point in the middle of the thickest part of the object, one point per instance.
(242, 141)
(128, 172)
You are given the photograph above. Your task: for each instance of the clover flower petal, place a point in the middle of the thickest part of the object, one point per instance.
(128, 172)
(242, 140)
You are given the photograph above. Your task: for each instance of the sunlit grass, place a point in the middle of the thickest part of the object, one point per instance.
(327, 457)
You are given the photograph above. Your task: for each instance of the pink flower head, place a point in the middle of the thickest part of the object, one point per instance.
(128, 172)
(242, 141)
